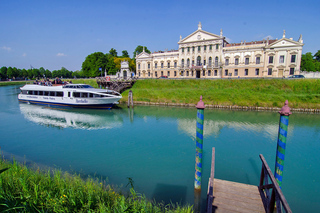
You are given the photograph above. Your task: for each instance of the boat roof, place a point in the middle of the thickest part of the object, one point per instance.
(62, 87)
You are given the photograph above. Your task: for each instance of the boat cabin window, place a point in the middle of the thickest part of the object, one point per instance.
(52, 93)
(84, 95)
(76, 94)
(40, 92)
(59, 94)
(46, 93)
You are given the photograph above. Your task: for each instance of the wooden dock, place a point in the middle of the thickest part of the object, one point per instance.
(227, 196)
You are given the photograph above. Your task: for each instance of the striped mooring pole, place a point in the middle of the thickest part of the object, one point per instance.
(281, 143)
(199, 143)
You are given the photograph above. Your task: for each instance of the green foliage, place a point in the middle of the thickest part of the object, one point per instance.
(139, 50)
(26, 190)
(125, 54)
(3, 72)
(310, 62)
(113, 52)
(93, 62)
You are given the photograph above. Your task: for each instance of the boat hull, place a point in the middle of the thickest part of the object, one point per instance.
(83, 106)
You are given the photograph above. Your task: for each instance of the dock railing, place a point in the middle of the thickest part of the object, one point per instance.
(210, 184)
(271, 193)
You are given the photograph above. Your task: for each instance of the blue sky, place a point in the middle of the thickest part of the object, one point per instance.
(54, 34)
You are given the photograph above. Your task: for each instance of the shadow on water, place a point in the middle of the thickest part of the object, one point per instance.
(167, 193)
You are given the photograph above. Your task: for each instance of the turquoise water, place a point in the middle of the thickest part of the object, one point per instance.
(155, 146)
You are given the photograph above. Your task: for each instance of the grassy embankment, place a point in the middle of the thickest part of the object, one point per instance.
(304, 93)
(26, 190)
(301, 93)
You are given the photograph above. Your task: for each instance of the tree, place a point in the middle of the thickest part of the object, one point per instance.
(113, 52)
(111, 65)
(42, 71)
(317, 56)
(48, 73)
(3, 72)
(139, 50)
(10, 72)
(125, 54)
(93, 62)
(307, 62)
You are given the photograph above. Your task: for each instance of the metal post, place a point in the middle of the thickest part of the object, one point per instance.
(199, 143)
(281, 143)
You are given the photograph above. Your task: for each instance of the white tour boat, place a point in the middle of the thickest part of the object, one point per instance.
(70, 95)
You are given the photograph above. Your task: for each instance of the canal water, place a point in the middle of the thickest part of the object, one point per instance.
(155, 146)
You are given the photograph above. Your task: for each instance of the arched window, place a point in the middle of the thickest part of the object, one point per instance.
(210, 61)
(198, 61)
(216, 61)
(188, 62)
(182, 63)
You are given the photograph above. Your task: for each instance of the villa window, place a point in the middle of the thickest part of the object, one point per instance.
(209, 72)
(138, 66)
(210, 61)
(281, 59)
(182, 49)
(156, 65)
(188, 62)
(148, 65)
(155, 73)
(175, 64)
(193, 49)
(257, 71)
(199, 48)
(227, 61)
(168, 64)
(246, 72)
(235, 72)
(270, 59)
(203, 73)
(269, 71)
(182, 63)
(161, 73)
(246, 62)
(258, 60)
(192, 62)
(217, 46)
(204, 62)
(215, 72)
(226, 72)
(175, 73)
(162, 65)
(168, 73)
(216, 61)
(236, 61)
(188, 49)
(205, 47)
(291, 71)
(187, 73)
(149, 74)
(210, 47)
(293, 58)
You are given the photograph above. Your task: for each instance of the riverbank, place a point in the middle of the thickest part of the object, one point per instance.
(27, 190)
(252, 94)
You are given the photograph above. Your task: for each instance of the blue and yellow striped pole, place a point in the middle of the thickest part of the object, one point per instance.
(199, 143)
(282, 139)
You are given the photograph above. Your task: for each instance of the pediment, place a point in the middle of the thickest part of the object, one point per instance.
(284, 42)
(200, 35)
(143, 55)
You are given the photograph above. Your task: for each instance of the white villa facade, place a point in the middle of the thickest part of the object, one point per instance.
(207, 55)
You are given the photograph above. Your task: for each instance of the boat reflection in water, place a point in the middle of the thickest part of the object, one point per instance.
(71, 118)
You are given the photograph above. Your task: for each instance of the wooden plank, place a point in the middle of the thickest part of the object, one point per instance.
(236, 197)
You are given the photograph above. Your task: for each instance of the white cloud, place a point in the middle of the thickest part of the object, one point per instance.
(269, 36)
(6, 48)
(24, 54)
(61, 54)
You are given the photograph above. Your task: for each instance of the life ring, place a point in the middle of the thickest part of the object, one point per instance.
(107, 78)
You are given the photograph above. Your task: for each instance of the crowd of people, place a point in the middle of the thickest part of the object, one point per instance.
(47, 82)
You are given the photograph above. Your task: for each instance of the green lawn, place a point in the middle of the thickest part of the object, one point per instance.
(302, 93)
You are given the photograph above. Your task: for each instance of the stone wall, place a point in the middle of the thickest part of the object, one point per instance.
(310, 74)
